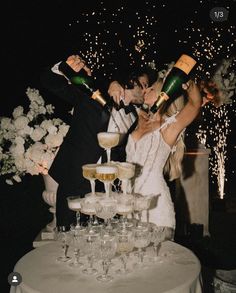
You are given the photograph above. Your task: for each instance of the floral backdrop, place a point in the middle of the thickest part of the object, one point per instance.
(29, 140)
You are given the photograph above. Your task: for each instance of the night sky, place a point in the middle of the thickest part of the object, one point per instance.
(110, 34)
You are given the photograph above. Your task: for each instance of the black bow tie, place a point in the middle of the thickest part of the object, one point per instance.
(128, 108)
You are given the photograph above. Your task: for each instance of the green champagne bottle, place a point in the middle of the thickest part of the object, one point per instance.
(172, 85)
(86, 84)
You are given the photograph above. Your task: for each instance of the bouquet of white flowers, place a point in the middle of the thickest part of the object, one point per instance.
(29, 141)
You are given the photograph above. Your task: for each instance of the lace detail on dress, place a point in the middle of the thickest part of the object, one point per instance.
(150, 154)
(169, 120)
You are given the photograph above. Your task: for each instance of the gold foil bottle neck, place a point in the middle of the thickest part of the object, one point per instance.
(97, 96)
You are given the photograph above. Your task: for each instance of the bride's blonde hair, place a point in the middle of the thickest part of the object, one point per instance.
(173, 166)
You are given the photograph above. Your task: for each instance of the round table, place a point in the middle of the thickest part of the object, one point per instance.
(178, 272)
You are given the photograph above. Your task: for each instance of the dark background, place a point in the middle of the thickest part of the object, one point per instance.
(37, 33)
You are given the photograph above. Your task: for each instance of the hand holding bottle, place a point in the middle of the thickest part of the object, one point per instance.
(193, 92)
(116, 91)
(77, 63)
(172, 84)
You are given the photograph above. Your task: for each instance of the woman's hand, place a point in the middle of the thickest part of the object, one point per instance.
(194, 95)
(77, 63)
(116, 91)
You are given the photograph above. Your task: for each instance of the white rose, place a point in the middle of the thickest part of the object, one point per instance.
(37, 134)
(42, 110)
(5, 123)
(46, 124)
(17, 150)
(35, 152)
(21, 122)
(31, 115)
(52, 129)
(54, 140)
(20, 163)
(19, 140)
(26, 131)
(34, 106)
(63, 129)
(18, 111)
(57, 121)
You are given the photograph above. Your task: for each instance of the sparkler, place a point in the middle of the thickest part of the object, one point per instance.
(214, 135)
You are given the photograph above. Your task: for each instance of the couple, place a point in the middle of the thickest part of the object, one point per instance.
(154, 143)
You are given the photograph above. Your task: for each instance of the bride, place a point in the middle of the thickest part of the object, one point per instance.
(156, 147)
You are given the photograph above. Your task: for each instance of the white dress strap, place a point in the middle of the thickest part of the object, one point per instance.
(169, 120)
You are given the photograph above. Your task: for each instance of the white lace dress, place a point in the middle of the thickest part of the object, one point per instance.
(150, 153)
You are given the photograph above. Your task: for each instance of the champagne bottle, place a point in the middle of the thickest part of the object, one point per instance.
(172, 85)
(86, 84)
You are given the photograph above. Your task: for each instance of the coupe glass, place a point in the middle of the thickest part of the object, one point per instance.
(108, 140)
(125, 172)
(63, 235)
(106, 174)
(125, 244)
(142, 239)
(108, 246)
(141, 203)
(77, 244)
(157, 236)
(89, 171)
(125, 206)
(91, 247)
(106, 209)
(74, 205)
(88, 208)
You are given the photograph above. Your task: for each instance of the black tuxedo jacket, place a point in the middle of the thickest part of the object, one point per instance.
(80, 146)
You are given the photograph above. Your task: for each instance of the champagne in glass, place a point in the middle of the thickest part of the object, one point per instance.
(108, 140)
(89, 172)
(106, 174)
(125, 172)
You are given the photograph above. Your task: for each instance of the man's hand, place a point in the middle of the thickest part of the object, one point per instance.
(116, 91)
(77, 63)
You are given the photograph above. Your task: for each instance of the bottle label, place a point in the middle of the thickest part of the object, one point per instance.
(185, 63)
(163, 96)
(98, 97)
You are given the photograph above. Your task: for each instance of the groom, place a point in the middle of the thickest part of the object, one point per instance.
(80, 145)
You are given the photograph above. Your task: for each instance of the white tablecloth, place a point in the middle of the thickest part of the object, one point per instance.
(178, 273)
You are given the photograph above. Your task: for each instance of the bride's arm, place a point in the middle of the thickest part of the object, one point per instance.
(186, 115)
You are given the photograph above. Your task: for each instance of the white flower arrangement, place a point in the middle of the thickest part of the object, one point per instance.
(225, 80)
(29, 141)
(221, 86)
